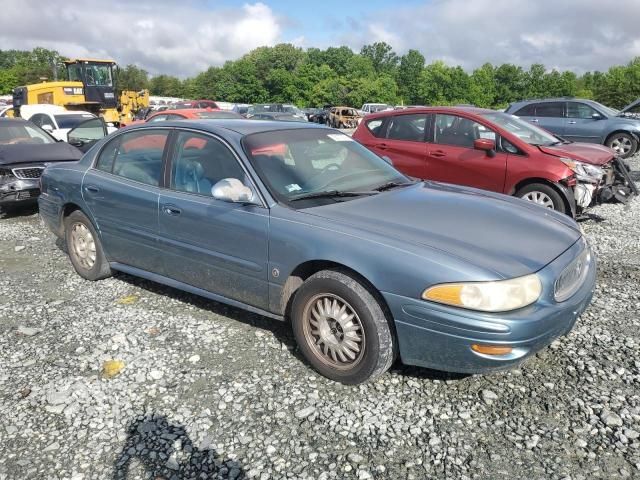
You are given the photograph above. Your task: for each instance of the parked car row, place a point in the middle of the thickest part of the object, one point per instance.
(373, 247)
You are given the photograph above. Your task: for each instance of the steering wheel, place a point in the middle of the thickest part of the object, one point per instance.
(342, 178)
(331, 166)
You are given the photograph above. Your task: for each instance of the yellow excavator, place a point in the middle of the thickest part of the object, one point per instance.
(89, 86)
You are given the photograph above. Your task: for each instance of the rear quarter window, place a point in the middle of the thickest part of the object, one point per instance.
(376, 127)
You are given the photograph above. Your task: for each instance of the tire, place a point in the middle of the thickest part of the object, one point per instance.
(371, 348)
(543, 195)
(623, 143)
(88, 261)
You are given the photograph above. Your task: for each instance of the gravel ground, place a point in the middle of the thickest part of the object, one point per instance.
(208, 391)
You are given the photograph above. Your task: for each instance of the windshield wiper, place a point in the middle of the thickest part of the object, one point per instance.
(390, 185)
(329, 194)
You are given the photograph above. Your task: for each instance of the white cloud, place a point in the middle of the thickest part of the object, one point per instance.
(570, 34)
(160, 36)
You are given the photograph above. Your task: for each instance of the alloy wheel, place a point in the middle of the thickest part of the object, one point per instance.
(540, 198)
(83, 245)
(622, 145)
(334, 331)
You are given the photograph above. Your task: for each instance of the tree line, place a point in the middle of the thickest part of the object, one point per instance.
(339, 76)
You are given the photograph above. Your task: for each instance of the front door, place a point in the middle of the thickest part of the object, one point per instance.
(218, 246)
(122, 193)
(583, 123)
(451, 157)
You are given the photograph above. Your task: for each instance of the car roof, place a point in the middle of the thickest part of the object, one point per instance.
(418, 110)
(240, 126)
(553, 99)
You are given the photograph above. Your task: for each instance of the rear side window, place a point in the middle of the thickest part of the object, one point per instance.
(375, 127)
(407, 127)
(526, 111)
(135, 155)
(550, 109)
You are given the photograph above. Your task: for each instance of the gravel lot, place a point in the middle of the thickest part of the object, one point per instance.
(208, 391)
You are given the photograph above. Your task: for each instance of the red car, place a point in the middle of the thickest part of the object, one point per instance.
(499, 152)
(194, 104)
(187, 113)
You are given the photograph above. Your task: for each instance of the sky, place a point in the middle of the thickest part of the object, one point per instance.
(185, 37)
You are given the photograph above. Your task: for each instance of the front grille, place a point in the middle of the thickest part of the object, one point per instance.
(28, 172)
(572, 277)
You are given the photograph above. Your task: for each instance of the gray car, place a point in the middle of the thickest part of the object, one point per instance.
(581, 120)
(301, 223)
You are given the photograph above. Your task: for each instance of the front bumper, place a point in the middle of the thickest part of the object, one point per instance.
(440, 337)
(615, 185)
(19, 191)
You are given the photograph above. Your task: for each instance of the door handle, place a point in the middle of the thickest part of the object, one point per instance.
(91, 189)
(572, 122)
(534, 120)
(438, 153)
(382, 146)
(171, 210)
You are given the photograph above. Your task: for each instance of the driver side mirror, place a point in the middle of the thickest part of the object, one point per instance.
(485, 145)
(388, 160)
(597, 116)
(233, 190)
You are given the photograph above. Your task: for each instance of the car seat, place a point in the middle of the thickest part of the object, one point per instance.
(190, 177)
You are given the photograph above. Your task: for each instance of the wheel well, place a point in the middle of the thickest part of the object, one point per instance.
(544, 181)
(306, 269)
(606, 140)
(68, 209)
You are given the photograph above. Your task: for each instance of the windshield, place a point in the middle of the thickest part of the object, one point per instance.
(292, 109)
(525, 131)
(98, 74)
(71, 121)
(18, 132)
(263, 108)
(217, 114)
(293, 163)
(378, 108)
(608, 111)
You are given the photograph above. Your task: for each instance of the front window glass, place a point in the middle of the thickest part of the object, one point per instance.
(294, 163)
(98, 75)
(522, 129)
(201, 162)
(580, 110)
(18, 132)
(460, 131)
(72, 120)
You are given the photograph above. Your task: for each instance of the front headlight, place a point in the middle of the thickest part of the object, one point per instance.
(6, 175)
(498, 296)
(583, 171)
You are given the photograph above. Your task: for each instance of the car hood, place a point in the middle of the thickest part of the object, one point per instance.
(505, 236)
(630, 106)
(30, 153)
(584, 152)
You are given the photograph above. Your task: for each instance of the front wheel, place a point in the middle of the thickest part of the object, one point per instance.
(543, 195)
(84, 247)
(624, 144)
(341, 328)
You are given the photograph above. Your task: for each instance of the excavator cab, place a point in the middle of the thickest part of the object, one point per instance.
(97, 78)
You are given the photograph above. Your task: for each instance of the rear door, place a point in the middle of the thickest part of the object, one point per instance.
(550, 116)
(451, 157)
(404, 143)
(218, 246)
(580, 124)
(122, 191)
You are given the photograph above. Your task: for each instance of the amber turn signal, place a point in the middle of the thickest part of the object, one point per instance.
(491, 349)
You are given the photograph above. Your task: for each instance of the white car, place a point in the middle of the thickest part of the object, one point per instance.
(368, 108)
(57, 120)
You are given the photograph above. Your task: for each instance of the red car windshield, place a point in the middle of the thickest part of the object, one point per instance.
(523, 130)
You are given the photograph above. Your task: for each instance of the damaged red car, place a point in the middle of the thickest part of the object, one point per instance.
(497, 151)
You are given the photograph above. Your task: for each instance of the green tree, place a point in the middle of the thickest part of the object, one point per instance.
(411, 65)
(382, 56)
(132, 77)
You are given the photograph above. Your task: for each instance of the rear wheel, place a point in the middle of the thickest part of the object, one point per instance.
(84, 247)
(624, 144)
(341, 328)
(543, 195)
